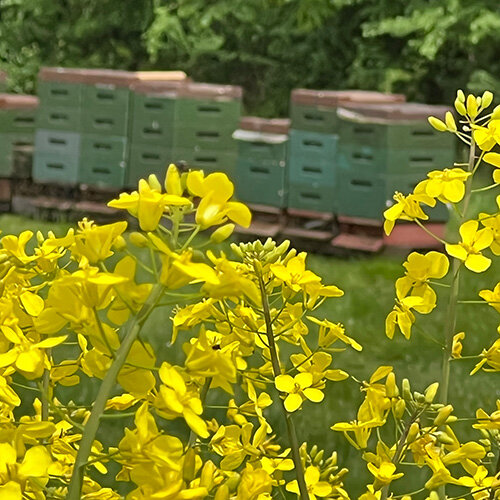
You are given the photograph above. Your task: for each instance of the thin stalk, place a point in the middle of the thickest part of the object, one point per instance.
(107, 385)
(455, 288)
(292, 434)
(45, 390)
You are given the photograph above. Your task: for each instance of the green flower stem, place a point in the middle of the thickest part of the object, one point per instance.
(292, 434)
(45, 390)
(455, 288)
(107, 385)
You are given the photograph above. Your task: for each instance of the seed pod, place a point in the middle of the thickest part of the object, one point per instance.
(430, 392)
(443, 415)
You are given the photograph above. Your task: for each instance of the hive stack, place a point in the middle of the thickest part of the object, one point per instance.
(82, 126)
(206, 115)
(261, 174)
(152, 127)
(313, 144)
(385, 148)
(17, 129)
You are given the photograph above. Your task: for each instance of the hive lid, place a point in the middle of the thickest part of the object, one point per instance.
(160, 88)
(117, 78)
(210, 91)
(18, 101)
(388, 113)
(271, 126)
(334, 98)
(145, 76)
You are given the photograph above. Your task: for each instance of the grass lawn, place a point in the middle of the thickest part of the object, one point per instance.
(368, 283)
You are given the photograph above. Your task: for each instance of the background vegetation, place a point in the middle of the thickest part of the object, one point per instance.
(423, 49)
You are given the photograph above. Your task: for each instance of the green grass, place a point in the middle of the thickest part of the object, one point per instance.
(369, 295)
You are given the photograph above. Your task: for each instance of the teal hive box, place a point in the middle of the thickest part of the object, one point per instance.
(261, 170)
(312, 158)
(103, 160)
(145, 159)
(316, 110)
(8, 145)
(369, 195)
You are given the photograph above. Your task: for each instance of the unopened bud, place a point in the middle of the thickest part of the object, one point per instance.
(450, 121)
(207, 474)
(222, 233)
(138, 239)
(399, 409)
(391, 390)
(406, 390)
(486, 99)
(430, 392)
(433, 495)
(443, 415)
(443, 438)
(437, 124)
(460, 95)
(460, 107)
(188, 471)
(222, 493)
(496, 113)
(173, 181)
(120, 243)
(471, 106)
(319, 457)
(412, 432)
(233, 481)
(154, 183)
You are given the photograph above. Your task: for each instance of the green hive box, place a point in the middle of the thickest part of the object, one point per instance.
(316, 110)
(8, 145)
(60, 94)
(105, 110)
(207, 114)
(306, 196)
(103, 161)
(58, 118)
(145, 159)
(56, 156)
(208, 161)
(360, 159)
(369, 195)
(17, 120)
(210, 138)
(311, 158)
(261, 173)
(152, 120)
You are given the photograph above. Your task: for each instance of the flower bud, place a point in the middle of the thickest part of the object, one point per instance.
(207, 474)
(391, 389)
(430, 392)
(154, 183)
(188, 471)
(319, 457)
(412, 433)
(222, 233)
(222, 493)
(460, 95)
(443, 415)
(119, 243)
(496, 113)
(437, 124)
(233, 481)
(471, 106)
(443, 438)
(460, 107)
(138, 239)
(406, 390)
(434, 495)
(173, 181)
(486, 99)
(399, 409)
(450, 122)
